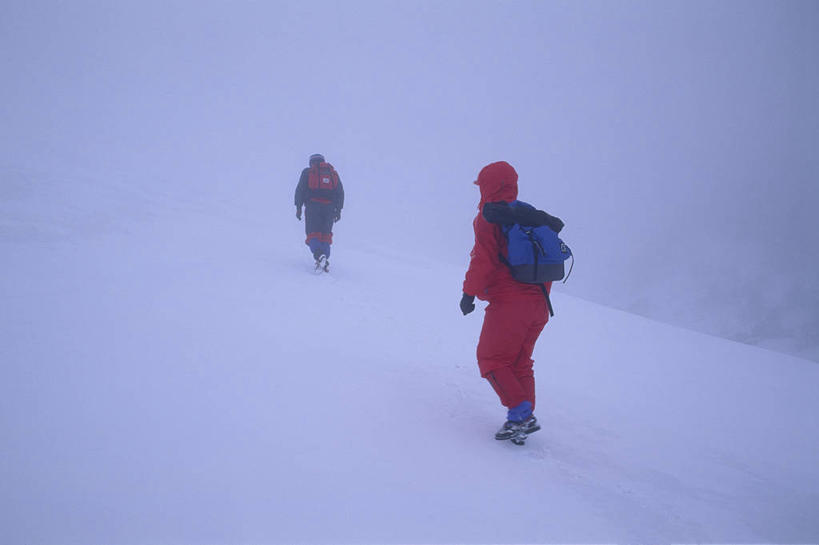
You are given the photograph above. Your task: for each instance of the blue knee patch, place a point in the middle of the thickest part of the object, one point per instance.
(520, 412)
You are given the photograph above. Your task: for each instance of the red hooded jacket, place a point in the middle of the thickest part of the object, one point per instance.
(487, 277)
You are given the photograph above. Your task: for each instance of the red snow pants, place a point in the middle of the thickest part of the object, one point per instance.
(510, 330)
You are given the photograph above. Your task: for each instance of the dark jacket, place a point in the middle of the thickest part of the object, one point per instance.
(503, 214)
(305, 195)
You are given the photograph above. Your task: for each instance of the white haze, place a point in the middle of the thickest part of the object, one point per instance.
(161, 375)
(678, 140)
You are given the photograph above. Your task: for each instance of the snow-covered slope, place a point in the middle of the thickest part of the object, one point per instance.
(173, 372)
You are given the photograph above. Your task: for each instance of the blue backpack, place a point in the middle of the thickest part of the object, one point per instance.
(535, 253)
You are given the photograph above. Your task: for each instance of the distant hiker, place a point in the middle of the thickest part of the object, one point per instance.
(517, 311)
(322, 195)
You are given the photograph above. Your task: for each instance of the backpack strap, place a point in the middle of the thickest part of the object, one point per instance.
(548, 301)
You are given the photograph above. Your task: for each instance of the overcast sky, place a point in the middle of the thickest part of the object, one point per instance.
(678, 140)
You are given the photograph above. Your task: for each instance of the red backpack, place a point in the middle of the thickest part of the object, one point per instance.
(323, 177)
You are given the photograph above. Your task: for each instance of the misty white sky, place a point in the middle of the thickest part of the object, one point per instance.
(678, 140)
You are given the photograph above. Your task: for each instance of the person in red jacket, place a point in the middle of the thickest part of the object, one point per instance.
(516, 313)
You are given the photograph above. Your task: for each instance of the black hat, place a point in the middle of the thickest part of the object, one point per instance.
(316, 157)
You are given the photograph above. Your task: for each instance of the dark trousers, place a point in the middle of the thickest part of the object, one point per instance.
(318, 224)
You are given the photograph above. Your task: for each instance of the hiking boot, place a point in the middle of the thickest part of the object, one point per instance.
(509, 430)
(530, 425)
(520, 430)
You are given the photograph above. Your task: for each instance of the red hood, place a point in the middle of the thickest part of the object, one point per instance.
(498, 182)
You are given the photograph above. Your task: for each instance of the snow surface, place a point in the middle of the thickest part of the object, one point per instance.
(173, 372)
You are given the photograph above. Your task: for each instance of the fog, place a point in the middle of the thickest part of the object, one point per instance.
(677, 140)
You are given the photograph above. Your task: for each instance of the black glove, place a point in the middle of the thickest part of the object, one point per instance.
(338, 215)
(298, 213)
(467, 304)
